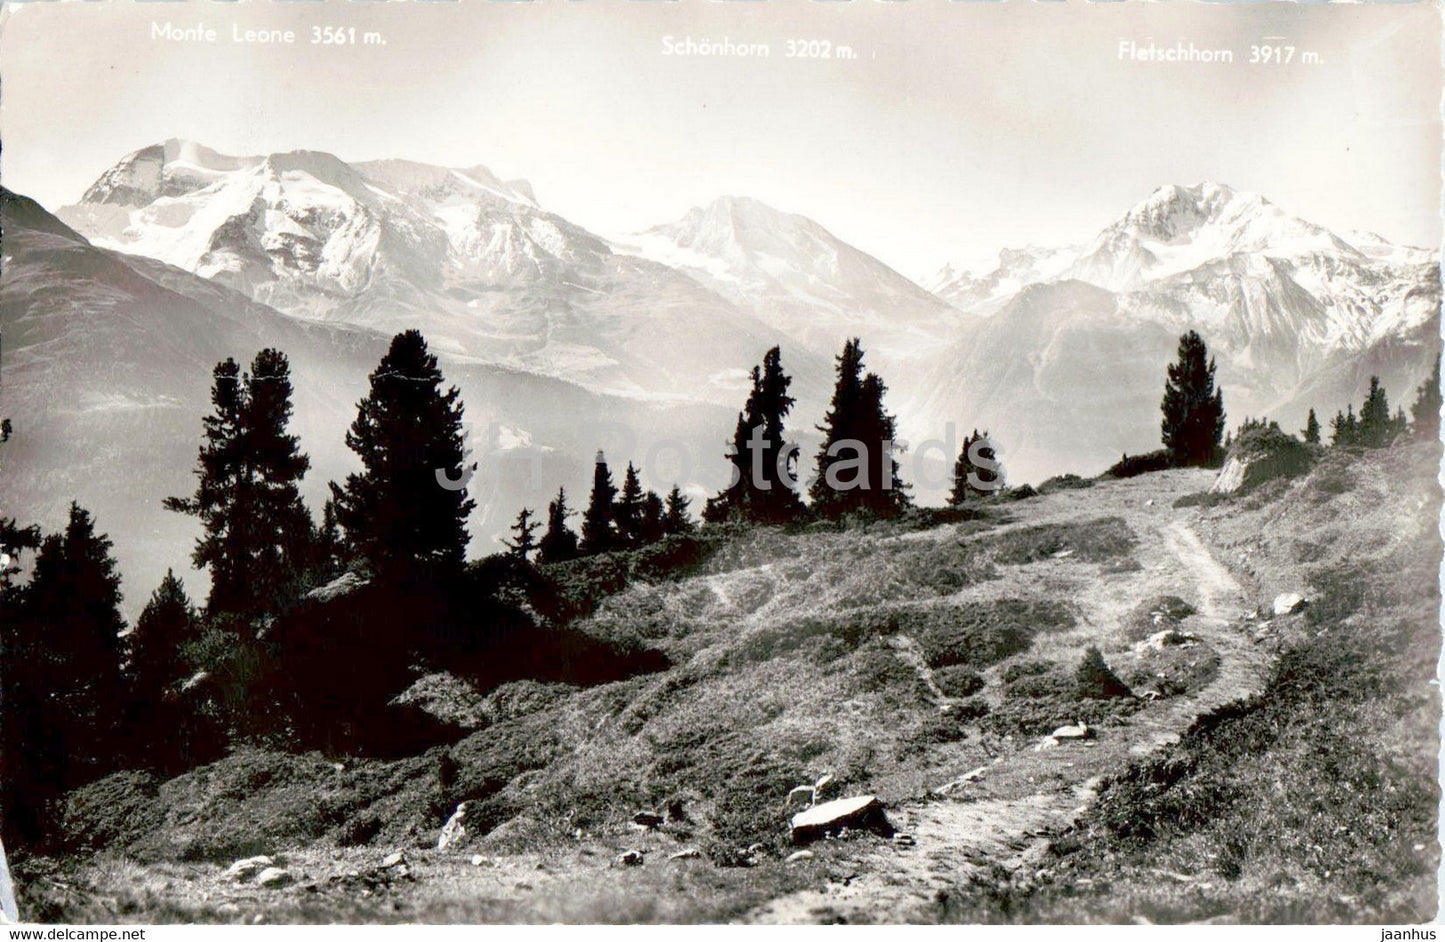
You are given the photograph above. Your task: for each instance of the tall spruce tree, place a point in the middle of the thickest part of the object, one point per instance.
(281, 538)
(558, 543)
(1425, 412)
(627, 511)
(65, 691)
(1312, 429)
(524, 541)
(974, 479)
(223, 492)
(653, 527)
(598, 533)
(256, 537)
(162, 731)
(764, 487)
(856, 465)
(676, 519)
(1193, 409)
(167, 624)
(407, 509)
(1375, 419)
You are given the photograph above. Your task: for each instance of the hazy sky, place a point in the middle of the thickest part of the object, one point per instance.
(958, 128)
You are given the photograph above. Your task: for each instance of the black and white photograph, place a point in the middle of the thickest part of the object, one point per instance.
(700, 462)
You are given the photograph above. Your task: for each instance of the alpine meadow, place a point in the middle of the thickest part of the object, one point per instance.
(389, 539)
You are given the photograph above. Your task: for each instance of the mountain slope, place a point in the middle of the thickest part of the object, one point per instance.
(1296, 316)
(471, 260)
(107, 369)
(799, 277)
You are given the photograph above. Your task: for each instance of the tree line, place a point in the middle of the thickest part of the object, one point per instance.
(84, 696)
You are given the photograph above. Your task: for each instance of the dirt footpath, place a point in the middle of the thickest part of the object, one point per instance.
(1008, 816)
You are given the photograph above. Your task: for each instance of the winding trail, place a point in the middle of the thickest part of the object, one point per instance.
(1026, 797)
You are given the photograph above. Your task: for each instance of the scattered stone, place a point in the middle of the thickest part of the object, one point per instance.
(904, 840)
(395, 859)
(274, 878)
(1048, 742)
(1080, 730)
(755, 849)
(479, 861)
(860, 812)
(690, 853)
(803, 796)
(243, 870)
(454, 832)
(1289, 603)
(631, 858)
(1149, 502)
(1062, 554)
(822, 784)
(972, 775)
(799, 855)
(1159, 640)
(228, 909)
(647, 820)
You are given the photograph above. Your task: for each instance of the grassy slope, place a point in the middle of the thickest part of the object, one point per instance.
(1315, 801)
(795, 654)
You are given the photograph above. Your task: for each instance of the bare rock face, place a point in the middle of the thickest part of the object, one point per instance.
(1231, 477)
(863, 812)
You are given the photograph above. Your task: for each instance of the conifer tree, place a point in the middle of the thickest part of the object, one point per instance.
(161, 731)
(763, 489)
(676, 519)
(1375, 419)
(651, 528)
(856, 465)
(1193, 409)
(598, 533)
(256, 534)
(65, 691)
(1312, 429)
(524, 542)
(408, 507)
(627, 512)
(1348, 432)
(281, 539)
(973, 480)
(559, 543)
(222, 497)
(157, 645)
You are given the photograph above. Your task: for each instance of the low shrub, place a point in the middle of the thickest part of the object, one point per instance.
(1098, 540)
(1133, 466)
(1065, 482)
(1095, 680)
(959, 680)
(1154, 615)
(980, 635)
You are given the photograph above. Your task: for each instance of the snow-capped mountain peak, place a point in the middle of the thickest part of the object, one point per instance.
(795, 274)
(1179, 228)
